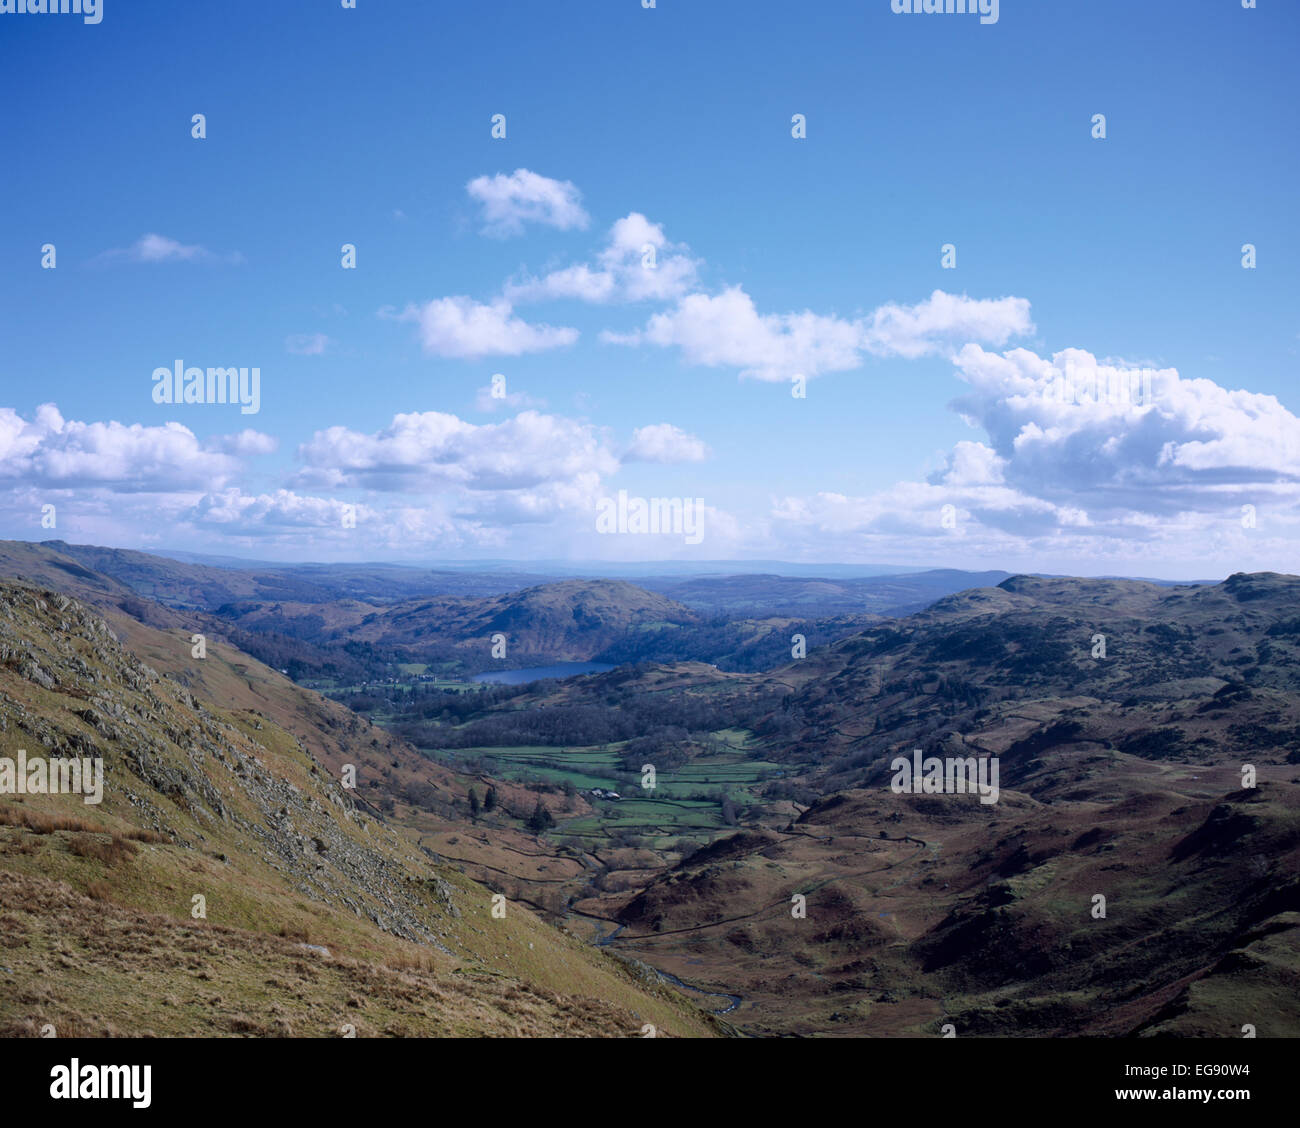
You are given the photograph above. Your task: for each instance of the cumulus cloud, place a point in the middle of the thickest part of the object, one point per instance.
(531, 469)
(431, 449)
(944, 320)
(647, 265)
(474, 482)
(57, 453)
(578, 283)
(462, 327)
(726, 330)
(510, 201)
(1126, 438)
(1088, 458)
(242, 514)
(637, 263)
(662, 442)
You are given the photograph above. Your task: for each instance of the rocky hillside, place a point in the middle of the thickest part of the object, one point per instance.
(927, 910)
(229, 883)
(1191, 673)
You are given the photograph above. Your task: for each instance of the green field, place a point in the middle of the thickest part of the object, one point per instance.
(685, 800)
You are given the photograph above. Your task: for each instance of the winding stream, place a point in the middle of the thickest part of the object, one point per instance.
(733, 1001)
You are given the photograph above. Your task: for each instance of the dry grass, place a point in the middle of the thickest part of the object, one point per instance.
(112, 852)
(67, 1026)
(157, 976)
(42, 823)
(413, 962)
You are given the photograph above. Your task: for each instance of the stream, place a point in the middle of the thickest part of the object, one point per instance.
(733, 1001)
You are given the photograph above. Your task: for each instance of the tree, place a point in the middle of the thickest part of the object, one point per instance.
(541, 819)
(490, 799)
(474, 805)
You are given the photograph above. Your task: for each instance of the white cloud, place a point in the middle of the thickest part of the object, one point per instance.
(665, 274)
(1085, 460)
(944, 320)
(509, 202)
(462, 327)
(638, 263)
(57, 453)
(1127, 439)
(662, 442)
(433, 449)
(726, 330)
(240, 514)
(572, 497)
(244, 443)
(423, 527)
(481, 478)
(154, 248)
(578, 282)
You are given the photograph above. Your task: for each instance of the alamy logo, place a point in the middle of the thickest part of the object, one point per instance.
(61, 776)
(91, 11)
(1112, 387)
(987, 10)
(674, 515)
(218, 385)
(956, 775)
(102, 1082)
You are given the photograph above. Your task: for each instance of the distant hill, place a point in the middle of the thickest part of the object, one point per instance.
(348, 624)
(572, 620)
(198, 584)
(763, 595)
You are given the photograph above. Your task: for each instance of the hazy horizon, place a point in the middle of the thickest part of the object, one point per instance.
(830, 569)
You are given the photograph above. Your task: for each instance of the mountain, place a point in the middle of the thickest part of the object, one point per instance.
(1123, 714)
(228, 883)
(1147, 737)
(1183, 672)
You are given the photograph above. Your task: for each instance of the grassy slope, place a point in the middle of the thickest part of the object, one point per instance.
(233, 806)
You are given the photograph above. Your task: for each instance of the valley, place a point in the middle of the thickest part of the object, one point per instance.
(734, 829)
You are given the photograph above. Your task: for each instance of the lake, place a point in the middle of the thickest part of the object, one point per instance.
(538, 673)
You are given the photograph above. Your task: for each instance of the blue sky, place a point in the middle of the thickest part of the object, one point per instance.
(927, 436)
